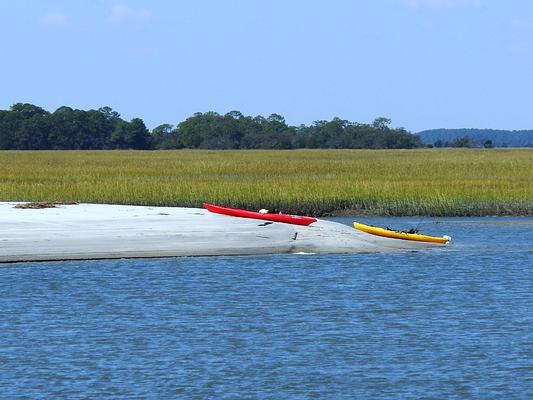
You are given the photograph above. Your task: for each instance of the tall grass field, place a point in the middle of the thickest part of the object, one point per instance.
(440, 182)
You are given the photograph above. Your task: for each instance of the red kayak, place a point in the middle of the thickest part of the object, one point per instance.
(235, 212)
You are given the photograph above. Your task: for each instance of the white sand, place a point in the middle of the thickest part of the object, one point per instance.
(92, 231)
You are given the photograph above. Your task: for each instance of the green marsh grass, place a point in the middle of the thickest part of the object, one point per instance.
(445, 182)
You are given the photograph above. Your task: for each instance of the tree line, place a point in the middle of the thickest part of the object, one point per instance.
(464, 141)
(29, 127)
(476, 138)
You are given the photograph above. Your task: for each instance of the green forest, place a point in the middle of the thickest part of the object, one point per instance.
(29, 127)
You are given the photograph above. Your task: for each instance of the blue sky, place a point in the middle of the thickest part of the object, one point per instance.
(422, 63)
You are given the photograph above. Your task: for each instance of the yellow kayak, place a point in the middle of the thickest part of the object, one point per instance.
(374, 230)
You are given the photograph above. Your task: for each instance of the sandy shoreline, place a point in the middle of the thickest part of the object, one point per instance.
(94, 231)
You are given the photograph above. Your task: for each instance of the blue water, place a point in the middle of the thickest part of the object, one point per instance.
(450, 323)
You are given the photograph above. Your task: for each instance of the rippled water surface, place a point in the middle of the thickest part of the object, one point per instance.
(442, 323)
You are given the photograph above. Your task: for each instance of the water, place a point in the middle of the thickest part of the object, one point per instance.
(447, 323)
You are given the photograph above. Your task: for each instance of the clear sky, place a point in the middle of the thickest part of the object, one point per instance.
(422, 63)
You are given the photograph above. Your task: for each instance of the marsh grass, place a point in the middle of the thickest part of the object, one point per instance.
(447, 182)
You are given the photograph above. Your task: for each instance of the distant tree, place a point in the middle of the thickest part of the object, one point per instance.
(438, 143)
(137, 135)
(109, 114)
(5, 133)
(464, 141)
(100, 127)
(329, 134)
(29, 126)
(65, 128)
(164, 137)
(381, 123)
(488, 144)
(214, 131)
(130, 135)
(252, 129)
(275, 133)
(191, 131)
(26, 110)
(401, 139)
(118, 137)
(299, 139)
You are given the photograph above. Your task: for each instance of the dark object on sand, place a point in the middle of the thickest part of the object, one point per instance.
(43, 204)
